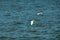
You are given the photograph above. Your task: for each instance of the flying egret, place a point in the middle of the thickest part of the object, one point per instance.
(40, 13)
(32, 22)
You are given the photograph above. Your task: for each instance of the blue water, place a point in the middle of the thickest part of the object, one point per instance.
(15, 17)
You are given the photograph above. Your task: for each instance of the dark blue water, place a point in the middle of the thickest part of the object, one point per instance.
(15, 17)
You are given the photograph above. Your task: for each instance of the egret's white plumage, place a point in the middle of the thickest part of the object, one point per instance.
(32, 22)
(40, 13)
